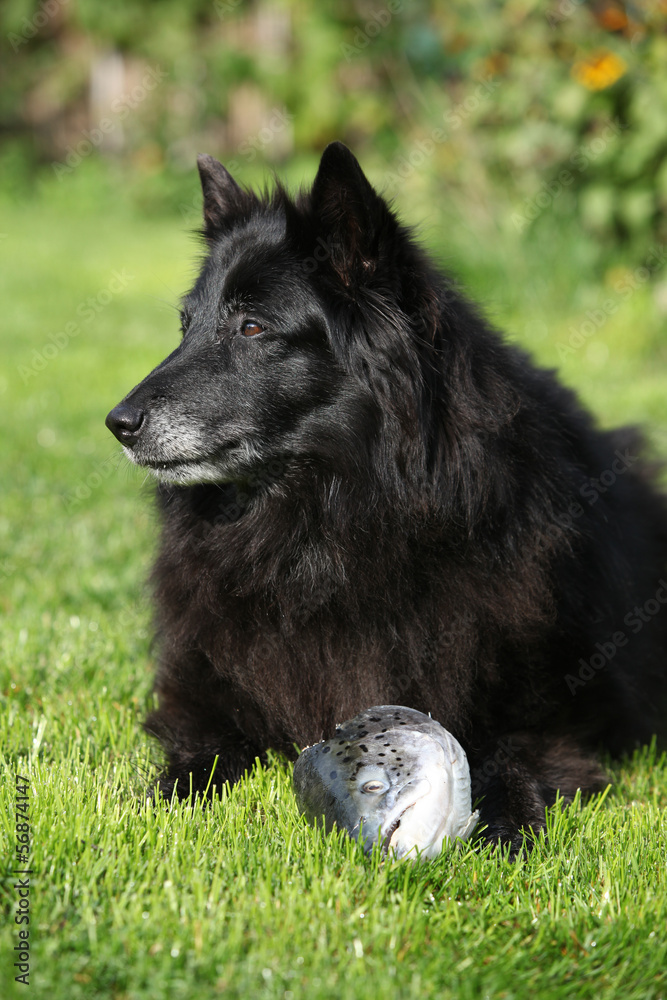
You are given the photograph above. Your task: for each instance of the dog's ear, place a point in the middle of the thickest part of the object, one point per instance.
(348, 212)
(222, 195)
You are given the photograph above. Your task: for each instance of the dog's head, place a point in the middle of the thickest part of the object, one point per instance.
(305, 314)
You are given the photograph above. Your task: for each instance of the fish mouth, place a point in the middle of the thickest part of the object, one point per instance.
(391, 830)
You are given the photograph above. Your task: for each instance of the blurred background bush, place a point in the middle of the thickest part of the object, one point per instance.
(507, 109)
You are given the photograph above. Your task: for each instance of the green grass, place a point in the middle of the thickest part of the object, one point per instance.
(245, 900)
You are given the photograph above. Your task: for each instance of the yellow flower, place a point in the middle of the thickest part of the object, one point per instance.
(599, 70)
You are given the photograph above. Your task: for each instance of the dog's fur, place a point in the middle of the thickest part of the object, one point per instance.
(368, 498)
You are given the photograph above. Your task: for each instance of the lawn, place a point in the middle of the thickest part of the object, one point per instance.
(128, 900)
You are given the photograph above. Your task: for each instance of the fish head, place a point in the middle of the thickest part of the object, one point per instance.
(414, 801)
(406, 788)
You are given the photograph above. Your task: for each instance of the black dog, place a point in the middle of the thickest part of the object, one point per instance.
(368, 498)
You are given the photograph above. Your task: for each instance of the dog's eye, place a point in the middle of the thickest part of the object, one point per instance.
(251, 329)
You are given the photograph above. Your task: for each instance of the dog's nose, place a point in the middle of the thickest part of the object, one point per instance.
(126, 423)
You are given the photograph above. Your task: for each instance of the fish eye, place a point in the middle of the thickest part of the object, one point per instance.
(373, 786)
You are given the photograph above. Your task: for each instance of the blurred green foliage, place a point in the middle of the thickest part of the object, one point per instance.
(519, 110)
